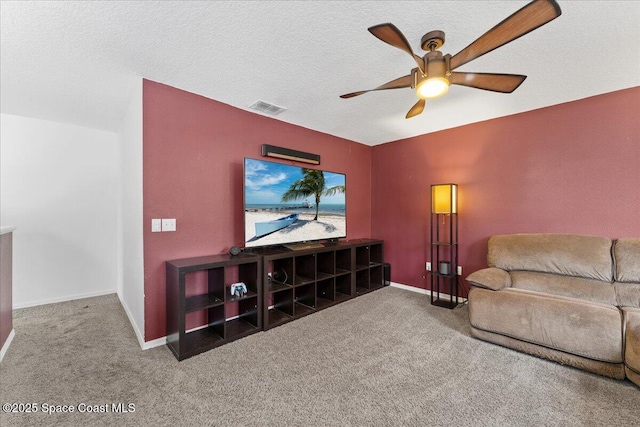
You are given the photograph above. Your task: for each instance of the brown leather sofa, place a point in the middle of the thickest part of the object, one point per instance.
(572, 299)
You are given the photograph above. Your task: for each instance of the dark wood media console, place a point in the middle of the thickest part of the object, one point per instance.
(283, 285)
(216, 302)
(301, 282)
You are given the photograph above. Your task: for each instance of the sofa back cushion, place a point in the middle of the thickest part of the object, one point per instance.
(627, 257)
(567, 254)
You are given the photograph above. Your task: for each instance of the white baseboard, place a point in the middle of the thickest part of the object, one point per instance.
(63, 299)
(7, 343)
(410, 288)
(423, 291)
(144, 345)
(159, 342)
(136, 330)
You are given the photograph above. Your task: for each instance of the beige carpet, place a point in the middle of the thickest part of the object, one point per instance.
(384, 359)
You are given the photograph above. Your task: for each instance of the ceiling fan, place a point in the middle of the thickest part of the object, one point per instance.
(434, 73)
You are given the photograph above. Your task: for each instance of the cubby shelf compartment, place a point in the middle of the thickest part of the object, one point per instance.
(281, 310)
(362, 281)
(238, 328)
(201, 302)
(201, 338)
(274, 286)
(249, 294)
(325, 293)
(276, 317)
(317, 278)
(200, 287)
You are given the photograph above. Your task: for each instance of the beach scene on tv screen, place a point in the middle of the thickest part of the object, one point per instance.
(286, 203)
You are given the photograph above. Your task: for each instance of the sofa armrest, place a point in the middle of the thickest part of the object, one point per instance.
(490, 278)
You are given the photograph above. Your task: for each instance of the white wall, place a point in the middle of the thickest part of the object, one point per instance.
(59, 186)
(131, 262)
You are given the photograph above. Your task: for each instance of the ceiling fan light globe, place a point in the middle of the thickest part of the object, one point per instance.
(432, 88)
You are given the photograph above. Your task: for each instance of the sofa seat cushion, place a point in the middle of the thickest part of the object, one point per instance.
(583, 328)
(627, 294)
(566, 286)
(632, 342)
(565, 254)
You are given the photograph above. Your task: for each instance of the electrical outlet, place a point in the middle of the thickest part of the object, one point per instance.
(169, 224)
(428, 266)
(459, 270)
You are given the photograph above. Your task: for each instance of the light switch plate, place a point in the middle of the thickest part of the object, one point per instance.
(428, 266)
(156, 225)
(169, 224)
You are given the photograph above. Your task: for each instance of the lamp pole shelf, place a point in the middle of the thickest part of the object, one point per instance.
(444, 245)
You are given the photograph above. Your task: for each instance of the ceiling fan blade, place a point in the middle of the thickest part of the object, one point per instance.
(505, 83)
(416, 109)
(525, 20)
(390, 34)
(400, 82)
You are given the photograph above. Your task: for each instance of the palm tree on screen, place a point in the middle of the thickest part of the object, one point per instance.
(311, 184)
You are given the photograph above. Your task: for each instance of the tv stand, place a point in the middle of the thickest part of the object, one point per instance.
(313, 278)
(282, 286)
(228, 317)
(304, 245)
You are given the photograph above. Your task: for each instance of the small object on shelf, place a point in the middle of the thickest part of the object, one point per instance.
(280, 276)
(445, 268)
(238, 289)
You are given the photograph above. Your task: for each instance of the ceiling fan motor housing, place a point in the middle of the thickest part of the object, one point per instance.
(435, 65)
(437, 72)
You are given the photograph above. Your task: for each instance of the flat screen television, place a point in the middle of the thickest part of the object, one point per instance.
(288, 204)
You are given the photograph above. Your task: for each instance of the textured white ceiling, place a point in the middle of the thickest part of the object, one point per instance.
(79, 62)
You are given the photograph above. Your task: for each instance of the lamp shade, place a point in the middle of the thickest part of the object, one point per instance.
(444, 199)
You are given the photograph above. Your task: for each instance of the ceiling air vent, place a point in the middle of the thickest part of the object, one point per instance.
(266, 108)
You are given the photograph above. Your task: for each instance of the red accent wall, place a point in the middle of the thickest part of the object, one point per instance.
(569, 168)
(194, 149)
